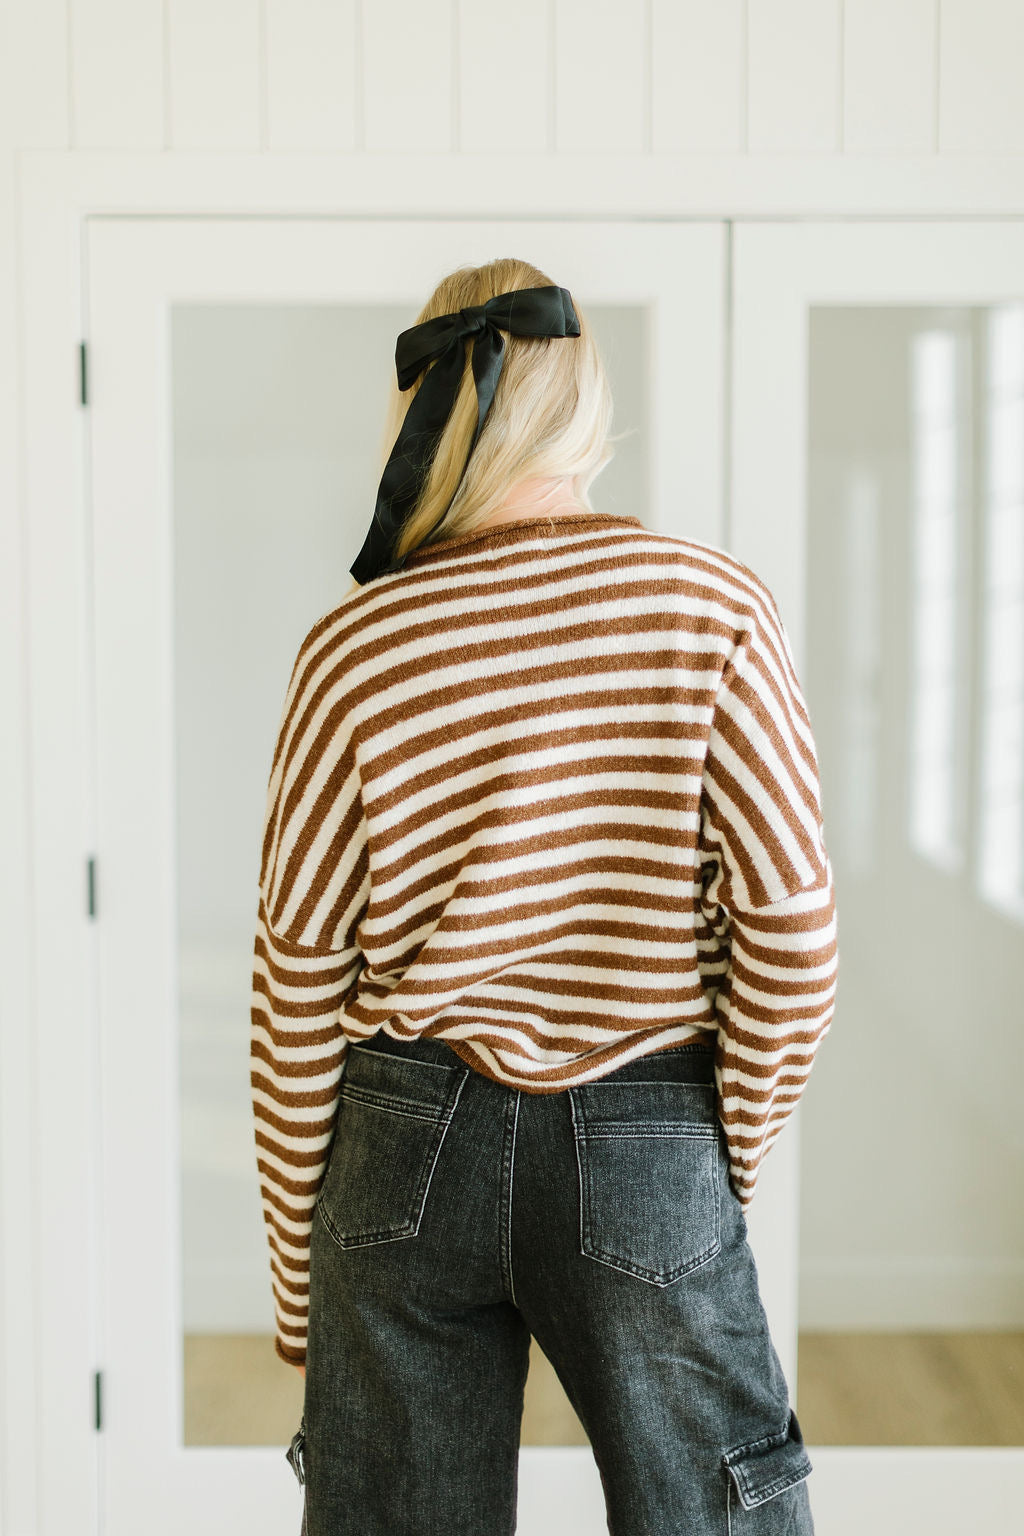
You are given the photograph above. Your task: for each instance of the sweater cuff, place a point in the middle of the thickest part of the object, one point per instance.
(296, 1358)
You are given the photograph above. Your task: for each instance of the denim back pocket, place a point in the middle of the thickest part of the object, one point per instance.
(648, 1156)
(392, 1117)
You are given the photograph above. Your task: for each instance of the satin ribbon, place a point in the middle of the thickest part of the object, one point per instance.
(546, 311)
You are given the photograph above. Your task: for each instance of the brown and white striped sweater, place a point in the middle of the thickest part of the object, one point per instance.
(549, 793)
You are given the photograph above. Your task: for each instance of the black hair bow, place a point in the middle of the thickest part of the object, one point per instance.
(546, 311)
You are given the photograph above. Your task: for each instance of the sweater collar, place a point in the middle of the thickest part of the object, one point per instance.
(519, 528)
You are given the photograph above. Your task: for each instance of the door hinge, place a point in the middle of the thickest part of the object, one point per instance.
(83, 375)
(90, 886)
(98, 1402)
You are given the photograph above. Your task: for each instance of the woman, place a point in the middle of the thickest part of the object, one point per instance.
(546, 944)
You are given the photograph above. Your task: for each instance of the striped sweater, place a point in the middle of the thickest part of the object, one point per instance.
(550, 794)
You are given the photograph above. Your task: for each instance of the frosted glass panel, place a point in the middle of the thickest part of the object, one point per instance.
(277, 421)
(911, 1299)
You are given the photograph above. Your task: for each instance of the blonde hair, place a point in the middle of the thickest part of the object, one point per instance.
(551, 415)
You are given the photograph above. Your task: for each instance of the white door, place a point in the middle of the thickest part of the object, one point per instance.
(878, 487)
(238, 373)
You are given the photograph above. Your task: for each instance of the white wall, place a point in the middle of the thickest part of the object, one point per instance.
(786, 105)
(801, 77)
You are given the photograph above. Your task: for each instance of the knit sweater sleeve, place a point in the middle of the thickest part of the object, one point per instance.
(313, 891)
(768, 881)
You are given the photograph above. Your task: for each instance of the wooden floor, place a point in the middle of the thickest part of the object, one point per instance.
(911, 1388)
(852, 1389)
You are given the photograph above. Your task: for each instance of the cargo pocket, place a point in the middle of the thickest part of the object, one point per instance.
(766, 1488)
(295, 1455)
(392, 1117)
(647, 1153)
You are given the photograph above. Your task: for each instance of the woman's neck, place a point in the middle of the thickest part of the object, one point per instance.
(538, 497)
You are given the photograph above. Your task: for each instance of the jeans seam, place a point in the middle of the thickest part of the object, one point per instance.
(576, 1112)
(507, 1178)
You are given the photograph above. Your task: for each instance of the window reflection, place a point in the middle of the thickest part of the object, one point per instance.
(1001, 776)
(861, 662)
(940, 428)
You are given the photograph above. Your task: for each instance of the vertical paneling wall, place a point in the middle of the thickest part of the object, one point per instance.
(797, 77)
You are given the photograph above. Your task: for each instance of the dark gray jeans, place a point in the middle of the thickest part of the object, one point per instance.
(456, 1218)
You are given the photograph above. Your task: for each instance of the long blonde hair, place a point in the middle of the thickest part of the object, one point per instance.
(551, 415)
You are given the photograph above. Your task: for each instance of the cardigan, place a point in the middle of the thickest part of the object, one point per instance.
(548, 793)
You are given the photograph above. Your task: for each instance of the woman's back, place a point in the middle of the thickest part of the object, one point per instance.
(531, 793)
